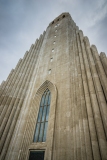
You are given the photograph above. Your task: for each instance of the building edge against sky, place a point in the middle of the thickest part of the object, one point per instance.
(54, 103)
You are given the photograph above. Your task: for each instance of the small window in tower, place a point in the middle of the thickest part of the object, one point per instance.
(63, 16)
(54, 42)
(51, 59)
(52, 50)
(53, 22)
(36, 155)
(57, 25)
(58, 20)
(49, 71)
(55, 36)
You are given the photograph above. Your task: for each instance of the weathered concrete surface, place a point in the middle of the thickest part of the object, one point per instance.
(62, 61)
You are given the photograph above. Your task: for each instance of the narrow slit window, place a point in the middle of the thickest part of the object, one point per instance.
(63, 16)
(42, 120)
(49, 71)
(52, 50)
(51, 59)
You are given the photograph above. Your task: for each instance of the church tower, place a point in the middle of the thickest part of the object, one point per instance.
(53, 105)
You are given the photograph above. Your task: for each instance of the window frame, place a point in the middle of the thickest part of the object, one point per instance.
(33, 150)
(42, 115)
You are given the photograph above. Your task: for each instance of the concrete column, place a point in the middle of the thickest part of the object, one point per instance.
(100, 69)
(95, 106)
(72, 105)
(25, 129)
(97, 84)
(93, 136)
(103, 59)
(83, 108)
(22, 126)
(78, 113)
(5, 101)
(5, 86)
(13, 111)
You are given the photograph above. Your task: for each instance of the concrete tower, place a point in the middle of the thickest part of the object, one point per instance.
(53, 105)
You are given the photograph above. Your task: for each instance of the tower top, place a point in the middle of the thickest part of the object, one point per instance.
(63, 15)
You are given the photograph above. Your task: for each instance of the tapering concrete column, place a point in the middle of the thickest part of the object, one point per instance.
(100, 69)
(10, 82)
(104, 61)
(6, 83)
(83, 108)
(75, 124)
(8, 97)
(97, 116)
(72, 104)
(93, 136)
(97, 84)
(24, 143)
(16, 150)
(17, 102)
(78, 111)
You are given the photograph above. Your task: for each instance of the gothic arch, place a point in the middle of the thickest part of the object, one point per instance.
(33, 114)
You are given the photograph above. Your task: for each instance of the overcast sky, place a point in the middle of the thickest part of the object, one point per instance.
(22, 22)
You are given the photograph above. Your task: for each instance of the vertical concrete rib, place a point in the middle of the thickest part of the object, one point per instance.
(103, 59)
(78, 104)
(83, 108)
(10, 81)
(94, 142)
(26, 129)
(97, 84)
(97, 115)
(10, 101)
(19, 135)
(6, 100)
(5, 85)
(100, 69)
(16, 106)
(72, 104)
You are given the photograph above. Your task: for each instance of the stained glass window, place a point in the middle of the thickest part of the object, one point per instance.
(42, 120)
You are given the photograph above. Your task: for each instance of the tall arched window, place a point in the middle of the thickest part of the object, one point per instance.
(42, 120)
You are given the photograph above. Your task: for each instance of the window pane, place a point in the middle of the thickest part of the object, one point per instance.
(36, 155)
(49, 98)
(40, 114)
(44, 113)
(45, 131)
(47, 113)
(42, 121)
(42, 100)
(40, 133)
(36, 134)
(46, 99)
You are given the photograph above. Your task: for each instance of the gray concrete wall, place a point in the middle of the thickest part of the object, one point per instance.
(77, 79)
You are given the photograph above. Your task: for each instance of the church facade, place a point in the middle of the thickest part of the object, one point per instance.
(53, 105)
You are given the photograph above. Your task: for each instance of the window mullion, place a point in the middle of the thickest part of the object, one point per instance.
(38, 130)
(40, 121)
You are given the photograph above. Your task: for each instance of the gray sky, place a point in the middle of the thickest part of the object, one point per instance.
(22, 22)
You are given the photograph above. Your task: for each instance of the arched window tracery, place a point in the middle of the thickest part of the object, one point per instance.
(42, 120)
